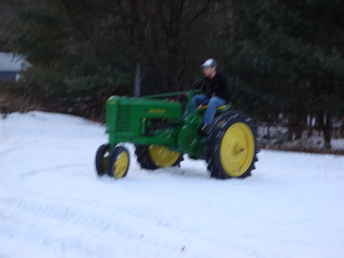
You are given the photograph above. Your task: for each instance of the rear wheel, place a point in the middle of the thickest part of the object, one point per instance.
(232, 147)
(155, 156)
(119, 161)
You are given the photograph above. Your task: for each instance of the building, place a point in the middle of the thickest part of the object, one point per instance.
(11, 66)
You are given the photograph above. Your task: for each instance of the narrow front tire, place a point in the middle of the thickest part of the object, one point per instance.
(102, 159)
(119, 161)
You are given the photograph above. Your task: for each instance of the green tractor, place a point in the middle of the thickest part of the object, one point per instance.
(163, 130)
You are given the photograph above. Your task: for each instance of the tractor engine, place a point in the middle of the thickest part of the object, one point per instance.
(135, 119)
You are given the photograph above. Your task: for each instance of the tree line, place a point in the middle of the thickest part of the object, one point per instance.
(283, 59)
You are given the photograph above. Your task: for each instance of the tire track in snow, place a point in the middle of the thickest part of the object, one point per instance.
(6, 151)
(33, 235)
(48, 169)
(91, 222)
(114, 226)
(71, 215)
(17, 145)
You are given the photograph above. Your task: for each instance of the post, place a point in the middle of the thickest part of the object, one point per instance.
(137, 82)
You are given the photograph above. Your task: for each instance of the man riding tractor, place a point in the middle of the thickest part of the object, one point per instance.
(213, 89)
(162, 130)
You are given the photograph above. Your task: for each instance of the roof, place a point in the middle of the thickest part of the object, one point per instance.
(9, 62)
(8, 76)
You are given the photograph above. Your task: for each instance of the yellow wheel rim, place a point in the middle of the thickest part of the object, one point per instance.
(162, 156)
(121, 165)
(237, 149)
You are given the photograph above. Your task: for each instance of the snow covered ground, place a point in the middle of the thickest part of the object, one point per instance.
(53, 205)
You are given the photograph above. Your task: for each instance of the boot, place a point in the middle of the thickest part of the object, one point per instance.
(204, 130)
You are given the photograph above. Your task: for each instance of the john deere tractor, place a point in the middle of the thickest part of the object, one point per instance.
(163, 129)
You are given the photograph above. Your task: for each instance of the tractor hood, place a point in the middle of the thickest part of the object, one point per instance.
(127, 116)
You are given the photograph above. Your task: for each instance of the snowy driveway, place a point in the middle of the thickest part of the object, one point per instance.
(52, 204)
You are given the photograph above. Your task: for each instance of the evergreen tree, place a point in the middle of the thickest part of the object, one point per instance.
(288, 56)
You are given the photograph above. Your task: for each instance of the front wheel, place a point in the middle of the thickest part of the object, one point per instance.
(102, 159)
(232, 147)
(119, 161)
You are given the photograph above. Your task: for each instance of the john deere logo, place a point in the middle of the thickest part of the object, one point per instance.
(157, 110)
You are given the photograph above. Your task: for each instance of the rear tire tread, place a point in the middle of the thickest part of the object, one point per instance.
(221, 124)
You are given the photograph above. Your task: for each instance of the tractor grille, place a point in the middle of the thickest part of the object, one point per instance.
(123, 118)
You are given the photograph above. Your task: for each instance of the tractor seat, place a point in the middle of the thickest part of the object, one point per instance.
(220, 108)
